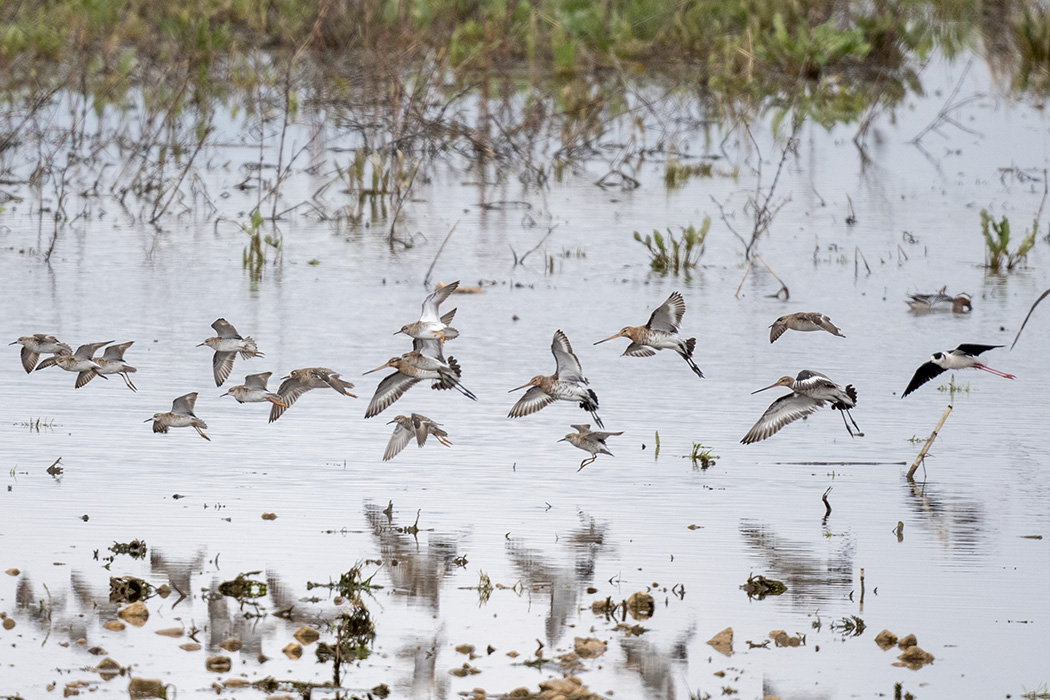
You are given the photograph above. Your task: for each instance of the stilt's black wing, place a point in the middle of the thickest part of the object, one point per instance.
(928, 371)
(975, 350)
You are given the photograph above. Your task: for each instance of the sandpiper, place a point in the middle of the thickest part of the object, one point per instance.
(589, 440)
(180, 416)
(254, 390)
(810, 390)
(80, 362)
(407, 427)
(33, 346)
(660, 333)
(299, 381)
(112, 362)
(566, 384)
(803, 321)
(924, 303)
(412, 368)
(963, 357)
(429, 324)
(226, 344)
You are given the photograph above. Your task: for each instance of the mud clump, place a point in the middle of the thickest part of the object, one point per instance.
(135, 614)
(885, 639)
(914, 657)
(146, 688)
(218, 664)
(589, 647)
(760, 586)
(723, 641)
(641, 606)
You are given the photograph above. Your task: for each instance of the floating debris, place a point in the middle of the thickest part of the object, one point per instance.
(760, 586)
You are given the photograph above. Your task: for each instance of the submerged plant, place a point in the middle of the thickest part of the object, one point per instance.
(997, 241)
(675, 255)
(701, 456)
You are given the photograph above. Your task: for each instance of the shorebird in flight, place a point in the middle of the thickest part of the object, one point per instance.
(566, 384)
(809, 391)
(180, 416)
(299, 381)
(254, 390)
(963, 357)
(112, 362)
(227, 343)
(33, 346)
(660, 333)
(589, 440)
(417, 426)
(412, 368)
(803, 321)
(80, 362)
(430, 325)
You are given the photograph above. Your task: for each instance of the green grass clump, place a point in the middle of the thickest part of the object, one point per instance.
(997, 242)
(675, 255)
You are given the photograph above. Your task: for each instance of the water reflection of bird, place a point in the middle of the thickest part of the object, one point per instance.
(112, 362)
(922, 303)
(226, 344)
(660, 333)
(417, 426)
(80, 361)
(254, 390)
(180, 416)
(589, 440)
(810, 391)
(429, 324)
(33, 346)
(963, 357)
(566, 384)
(803, 321)
(299, 381)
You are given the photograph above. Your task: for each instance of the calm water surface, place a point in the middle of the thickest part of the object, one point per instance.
(506, 500)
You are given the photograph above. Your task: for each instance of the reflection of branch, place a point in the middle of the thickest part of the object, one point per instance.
(783, 287)
(949, 106)
(521, 260)
(426, 280)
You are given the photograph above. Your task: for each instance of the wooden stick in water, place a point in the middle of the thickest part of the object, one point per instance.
(929, 441)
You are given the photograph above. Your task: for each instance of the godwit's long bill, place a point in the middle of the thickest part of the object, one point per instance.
(963, 357)
(660, 333)
(566, 384)
(299, 381)
(809, 391)
(180, 416)
(226, 344)
(588, 440)
(803, 321)
(37, 344)
(407, 427)
(430, 325)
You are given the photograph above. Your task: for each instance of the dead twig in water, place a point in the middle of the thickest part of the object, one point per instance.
(949, 106)
(426, 280)
(1041, 297)
(827, 505)
(933, 436)
(856, 270)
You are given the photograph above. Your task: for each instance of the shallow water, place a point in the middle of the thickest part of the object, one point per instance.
(506, 499)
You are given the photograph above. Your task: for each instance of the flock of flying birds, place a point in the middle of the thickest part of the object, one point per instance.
(426, 361)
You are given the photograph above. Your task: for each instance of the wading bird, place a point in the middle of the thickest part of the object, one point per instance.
(589, 441)
(226, 344)
(412, 368)
(180, 416)
(112, 362)
(810, 391)
(962, 357)
(660, 333)
(566, 384)
(802, 321)
(924, 303)
(80, 362)
(254, 390)
(429, 324)
(33, 346)
(299, 381)
(417, 426)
